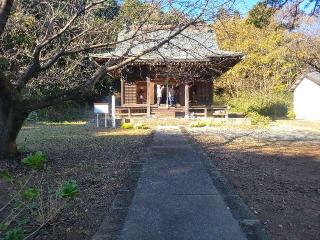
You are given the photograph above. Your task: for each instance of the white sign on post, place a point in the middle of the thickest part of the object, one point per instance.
(113, 111)
(101, 108)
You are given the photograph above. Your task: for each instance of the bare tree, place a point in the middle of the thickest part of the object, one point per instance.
(310, 6)
(307, 50)
(45, 47)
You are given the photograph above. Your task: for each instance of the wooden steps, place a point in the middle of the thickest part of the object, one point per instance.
(167, 112)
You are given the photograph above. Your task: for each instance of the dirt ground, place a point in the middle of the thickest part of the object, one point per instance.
(276, 170)
(97, 160)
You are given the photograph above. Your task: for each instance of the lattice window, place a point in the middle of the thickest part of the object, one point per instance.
(130, 93)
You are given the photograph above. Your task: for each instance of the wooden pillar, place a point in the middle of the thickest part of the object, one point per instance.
(211, 94)
(227, 114)
(167, 100)
(122, 91)
(152, 93)
(148, 98)
(186, 100)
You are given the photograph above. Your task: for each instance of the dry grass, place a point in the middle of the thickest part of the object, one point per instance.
(275, 173)
(98, 159)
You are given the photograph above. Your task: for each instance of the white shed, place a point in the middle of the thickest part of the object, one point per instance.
(306, 100)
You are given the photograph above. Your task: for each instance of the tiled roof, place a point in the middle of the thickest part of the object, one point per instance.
(313, 76)
(192, 44)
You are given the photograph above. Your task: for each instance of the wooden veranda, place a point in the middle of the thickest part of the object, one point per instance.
(163, 111)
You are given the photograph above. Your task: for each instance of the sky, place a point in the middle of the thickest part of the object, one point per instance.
(312, 26)
(243, 6)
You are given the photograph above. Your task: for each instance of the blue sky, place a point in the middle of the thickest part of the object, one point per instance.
(243, 6)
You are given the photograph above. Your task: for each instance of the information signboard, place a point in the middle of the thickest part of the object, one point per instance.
(101, 108)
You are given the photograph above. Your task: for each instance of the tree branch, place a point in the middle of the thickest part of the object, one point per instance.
(34, 68)
(47, 101)
(7, 91)
(48, 39)
(5, 9)
(131, 59)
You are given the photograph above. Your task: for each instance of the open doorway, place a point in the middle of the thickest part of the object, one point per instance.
(170, 93)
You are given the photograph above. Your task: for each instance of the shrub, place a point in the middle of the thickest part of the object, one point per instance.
(140, 126)
(67, 111)
(69, 189)
(198, 124)
(127, 125)
(30, 193)
(291, 114)
(257, 119)
(15, 234)
(214, 124)
(272, 105)
(206, 123)
(35, 160)
(273, 110)
(6, 176)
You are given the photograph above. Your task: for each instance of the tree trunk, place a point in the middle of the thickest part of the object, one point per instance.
(5, 8)
(11, 120)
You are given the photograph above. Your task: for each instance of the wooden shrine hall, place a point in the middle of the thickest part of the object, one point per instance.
(183, 69)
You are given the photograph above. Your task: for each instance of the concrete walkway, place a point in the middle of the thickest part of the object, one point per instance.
(175, 197)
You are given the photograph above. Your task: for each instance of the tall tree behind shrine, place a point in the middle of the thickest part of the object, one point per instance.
(274, 55)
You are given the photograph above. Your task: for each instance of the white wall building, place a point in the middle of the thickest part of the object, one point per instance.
(307, 96)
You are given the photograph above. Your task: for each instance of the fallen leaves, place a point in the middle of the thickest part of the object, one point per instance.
(98, 160)
(275, 171)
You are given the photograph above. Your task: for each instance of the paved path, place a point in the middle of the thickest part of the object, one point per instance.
(175, 197)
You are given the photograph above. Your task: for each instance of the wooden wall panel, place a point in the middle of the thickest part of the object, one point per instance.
(130, 93)
(202, 94)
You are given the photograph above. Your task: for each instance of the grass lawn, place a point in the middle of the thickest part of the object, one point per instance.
(276, 171)
(97, 159)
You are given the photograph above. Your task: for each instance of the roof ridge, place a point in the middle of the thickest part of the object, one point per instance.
(189, 45)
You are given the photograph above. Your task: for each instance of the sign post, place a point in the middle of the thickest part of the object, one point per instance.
(97, 120)
(113, 111)
(167, 100)
(148, 97)
(101, 108)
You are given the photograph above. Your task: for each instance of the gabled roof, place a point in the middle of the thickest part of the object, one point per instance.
(193, 44)
(313, 76)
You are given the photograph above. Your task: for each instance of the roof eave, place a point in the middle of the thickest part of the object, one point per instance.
(208, 58)
(299, 80)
